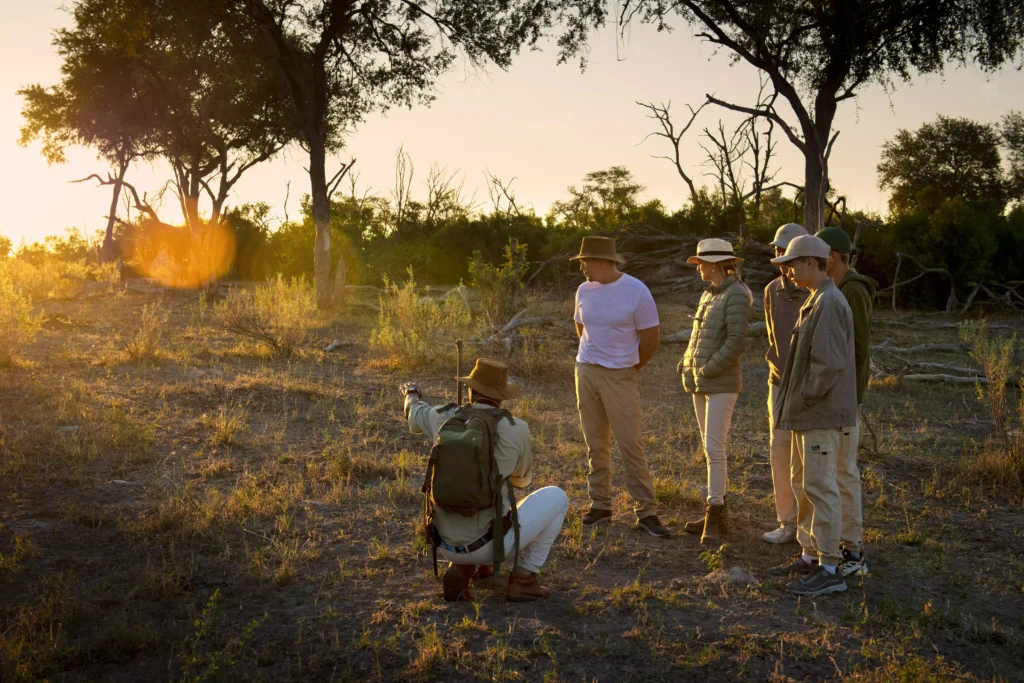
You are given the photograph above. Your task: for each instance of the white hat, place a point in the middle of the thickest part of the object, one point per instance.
(803, 246)
(713, 250)
(786, 234)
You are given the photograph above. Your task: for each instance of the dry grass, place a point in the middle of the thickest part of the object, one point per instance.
(241, 516)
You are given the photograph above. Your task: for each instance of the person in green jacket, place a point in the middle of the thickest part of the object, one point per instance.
(859, 291)
(710, 369)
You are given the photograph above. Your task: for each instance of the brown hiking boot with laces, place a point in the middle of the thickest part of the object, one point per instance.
(525, 588)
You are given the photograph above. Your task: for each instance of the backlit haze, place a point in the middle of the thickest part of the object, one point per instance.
(544, 124)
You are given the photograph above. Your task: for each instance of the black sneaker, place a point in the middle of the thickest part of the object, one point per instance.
(652, 525)
(596, 516)
(820, 582)
(853, 565)
(796, 566)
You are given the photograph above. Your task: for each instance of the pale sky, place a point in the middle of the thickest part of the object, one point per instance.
(544, 124)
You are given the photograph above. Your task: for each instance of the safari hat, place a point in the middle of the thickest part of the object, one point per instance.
(785, 235)
(713, 250)
(803, 246)
(490, 378)
(836, 239)
(598, 247)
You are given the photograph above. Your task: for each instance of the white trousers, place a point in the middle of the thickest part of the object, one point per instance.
(714, 417)
(540, 520)
(780, 446)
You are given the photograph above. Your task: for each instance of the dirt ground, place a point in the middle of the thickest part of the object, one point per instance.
(215, 514)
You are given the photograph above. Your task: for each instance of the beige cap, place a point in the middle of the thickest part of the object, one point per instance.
(786, 234)
(803, 246)
(713, 250)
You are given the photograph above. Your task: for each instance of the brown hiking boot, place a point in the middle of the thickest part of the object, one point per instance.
(525, 588)
(714, 527)
(456, 582)
(484, 571)
(697, 526)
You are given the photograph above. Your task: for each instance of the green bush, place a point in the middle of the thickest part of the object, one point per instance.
(277, 315)
(499, 286)
(412, 329)
(17, 324)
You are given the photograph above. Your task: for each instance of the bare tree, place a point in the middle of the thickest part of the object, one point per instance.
(660, 113)
(502, 197)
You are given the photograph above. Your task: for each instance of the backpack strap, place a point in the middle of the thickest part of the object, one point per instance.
(428, 511)
(515, 522)
(446, 407)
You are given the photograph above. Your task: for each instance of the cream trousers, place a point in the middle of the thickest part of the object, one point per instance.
(780, 446)
(819, 509)
(714, 417)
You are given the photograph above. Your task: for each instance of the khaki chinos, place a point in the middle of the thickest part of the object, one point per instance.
(780, 446)
(848, 480)
(609, 402)
(819, 514)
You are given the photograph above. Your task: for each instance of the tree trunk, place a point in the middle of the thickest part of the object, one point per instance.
(107, 250)
(322, 222)
(814, 190)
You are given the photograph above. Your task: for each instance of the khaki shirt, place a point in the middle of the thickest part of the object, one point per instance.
(782, 303)
(819, 384)
(511, 453)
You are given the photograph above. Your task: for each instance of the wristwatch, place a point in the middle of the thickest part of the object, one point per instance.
(412, 389)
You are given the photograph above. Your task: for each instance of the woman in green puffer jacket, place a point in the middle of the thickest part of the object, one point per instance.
(711, 369)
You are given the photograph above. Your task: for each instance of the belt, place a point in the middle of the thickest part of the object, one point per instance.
(506, 524)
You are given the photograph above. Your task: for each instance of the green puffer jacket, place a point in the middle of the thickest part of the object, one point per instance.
(711, 364)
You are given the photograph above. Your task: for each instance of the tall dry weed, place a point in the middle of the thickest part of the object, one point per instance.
(278, 315)
(141, 339)
(17, 324)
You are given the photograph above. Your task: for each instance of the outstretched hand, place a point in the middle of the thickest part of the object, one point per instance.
(408, 388)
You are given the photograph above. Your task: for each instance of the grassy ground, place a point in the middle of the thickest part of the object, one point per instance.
(212, 513)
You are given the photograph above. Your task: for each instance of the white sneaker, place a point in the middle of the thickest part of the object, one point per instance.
(781, 535)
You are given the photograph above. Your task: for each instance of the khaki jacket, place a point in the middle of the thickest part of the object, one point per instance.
(782, 303)
(511, 452)
(819, 384)
(711, 364)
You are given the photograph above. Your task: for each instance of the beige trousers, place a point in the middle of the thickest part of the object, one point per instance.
(609, 401)
(780, 447)
(819, 510)
(848, 480)
(714, 417)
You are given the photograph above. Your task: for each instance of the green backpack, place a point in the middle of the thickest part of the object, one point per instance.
(463, 478)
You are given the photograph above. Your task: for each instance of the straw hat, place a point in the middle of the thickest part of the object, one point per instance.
(490, 378)
(713, 250)
(598, 247)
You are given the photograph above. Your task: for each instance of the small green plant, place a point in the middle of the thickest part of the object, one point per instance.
(17, 324)
(412, 329)
(713, 559)
(277, 315)
(200, 662)
(500, 285)
(141, 340)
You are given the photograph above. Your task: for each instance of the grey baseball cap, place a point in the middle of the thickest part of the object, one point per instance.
(804, 245)
(785, 234)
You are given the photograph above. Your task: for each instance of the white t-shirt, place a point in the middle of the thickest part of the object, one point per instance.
(611, 315)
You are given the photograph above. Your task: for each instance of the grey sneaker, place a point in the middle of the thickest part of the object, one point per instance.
(853, 565)
(818, 583)
(596, 516)
(795, 566)
(652, 525)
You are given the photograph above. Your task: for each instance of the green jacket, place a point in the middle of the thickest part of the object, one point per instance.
(711, 364)
(859, 291)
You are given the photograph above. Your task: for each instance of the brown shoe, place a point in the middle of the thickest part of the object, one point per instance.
(713, 529)
(696, 526)
(456, 582)
(484, 571)
(525, 588)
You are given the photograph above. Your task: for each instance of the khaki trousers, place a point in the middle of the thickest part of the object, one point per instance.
(714, 417)
(819, 510)
(848, 480)
(609, 401)
(780, 446)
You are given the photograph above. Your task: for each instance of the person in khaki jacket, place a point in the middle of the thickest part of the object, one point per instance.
(711, 371)
(617, 325)
(818, 398)
(782, 303)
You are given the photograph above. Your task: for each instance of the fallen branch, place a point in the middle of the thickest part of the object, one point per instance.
(921, 348)
(943, 378)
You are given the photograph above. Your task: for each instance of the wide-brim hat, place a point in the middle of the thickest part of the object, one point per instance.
(490, 378)
(713, 250)
(598, 247)
(805, 245)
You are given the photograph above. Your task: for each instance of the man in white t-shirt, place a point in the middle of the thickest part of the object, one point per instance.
(617, 323)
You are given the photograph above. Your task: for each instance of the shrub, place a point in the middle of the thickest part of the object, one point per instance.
(997, 359)
(17, 324)
(277, 315)
(500, 286)
(141, 341)
(412, 329)
(48, 277)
